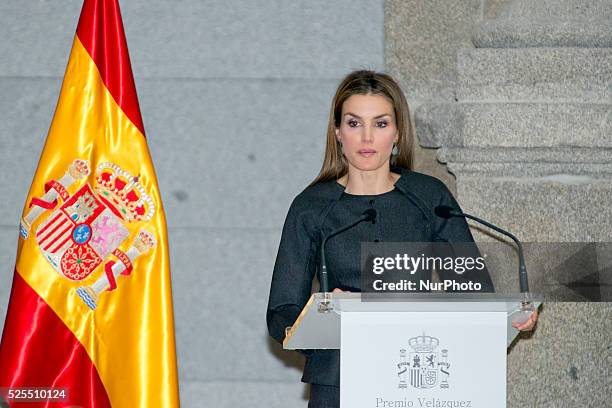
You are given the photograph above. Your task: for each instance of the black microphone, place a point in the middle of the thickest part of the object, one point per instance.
(368, 215)
(445, 211)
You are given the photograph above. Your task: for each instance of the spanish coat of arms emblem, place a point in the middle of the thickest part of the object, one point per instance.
(423, 367)
(86, 230)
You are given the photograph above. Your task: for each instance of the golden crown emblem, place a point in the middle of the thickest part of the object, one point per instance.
(123, 193)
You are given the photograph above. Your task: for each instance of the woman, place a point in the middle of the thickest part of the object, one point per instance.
(367, 164)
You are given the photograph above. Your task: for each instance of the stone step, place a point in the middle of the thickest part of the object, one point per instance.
(569, 155)
(537, 209)
(563, 165)
(535, 74)
(548, 23)
(556, 10)
(564, 173)
(526, 34)
(515, 125)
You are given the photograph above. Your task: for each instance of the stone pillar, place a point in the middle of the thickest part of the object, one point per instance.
(528, 137)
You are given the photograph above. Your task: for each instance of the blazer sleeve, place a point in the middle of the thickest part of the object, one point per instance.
(456, 230)
(293, 273)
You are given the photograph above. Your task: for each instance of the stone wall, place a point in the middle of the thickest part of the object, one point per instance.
(514, 97)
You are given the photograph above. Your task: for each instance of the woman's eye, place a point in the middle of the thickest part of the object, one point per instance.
(381, 124)
(353, 123)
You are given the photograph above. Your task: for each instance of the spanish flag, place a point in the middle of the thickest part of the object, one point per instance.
(90, 321)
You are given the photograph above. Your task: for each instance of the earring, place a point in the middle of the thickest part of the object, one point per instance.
(395, 150)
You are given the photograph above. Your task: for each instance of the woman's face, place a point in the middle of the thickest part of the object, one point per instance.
(367, 131)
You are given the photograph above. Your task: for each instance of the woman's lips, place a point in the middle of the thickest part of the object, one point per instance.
(366, 152)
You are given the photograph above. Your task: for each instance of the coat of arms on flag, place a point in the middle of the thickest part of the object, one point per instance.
(89, 226)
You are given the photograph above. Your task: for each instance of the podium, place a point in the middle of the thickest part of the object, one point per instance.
(414, 350)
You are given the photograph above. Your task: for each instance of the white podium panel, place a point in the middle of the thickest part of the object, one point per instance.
(427, 350)
(425, 360)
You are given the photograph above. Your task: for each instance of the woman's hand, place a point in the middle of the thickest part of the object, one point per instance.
(529, 324)
(336, 290)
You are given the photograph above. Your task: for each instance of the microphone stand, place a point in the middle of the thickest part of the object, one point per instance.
(527, 307)
(325, 305)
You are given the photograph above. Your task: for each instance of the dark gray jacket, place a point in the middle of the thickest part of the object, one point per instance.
(298, 254)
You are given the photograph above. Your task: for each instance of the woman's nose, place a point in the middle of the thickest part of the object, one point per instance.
(367, 134)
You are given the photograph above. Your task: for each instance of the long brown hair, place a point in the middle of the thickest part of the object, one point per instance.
(365, 82)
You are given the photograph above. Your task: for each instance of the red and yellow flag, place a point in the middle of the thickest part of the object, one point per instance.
(91, 305)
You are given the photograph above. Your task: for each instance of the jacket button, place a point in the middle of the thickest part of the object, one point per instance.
(371, 202)
(376, 240)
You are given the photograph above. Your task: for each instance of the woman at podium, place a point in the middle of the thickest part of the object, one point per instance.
(368, 164)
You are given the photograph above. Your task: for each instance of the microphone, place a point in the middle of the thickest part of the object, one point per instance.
(444, 211)
(368, 215)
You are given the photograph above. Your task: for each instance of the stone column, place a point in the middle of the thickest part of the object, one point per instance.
(529, 140)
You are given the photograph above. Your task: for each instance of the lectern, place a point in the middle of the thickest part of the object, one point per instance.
(418, 350)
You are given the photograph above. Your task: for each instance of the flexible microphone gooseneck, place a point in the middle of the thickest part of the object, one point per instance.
(446, 212)
(368, 215)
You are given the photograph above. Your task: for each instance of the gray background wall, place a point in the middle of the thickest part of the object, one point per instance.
(235, 97)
